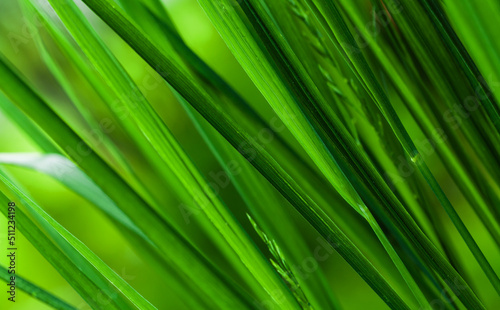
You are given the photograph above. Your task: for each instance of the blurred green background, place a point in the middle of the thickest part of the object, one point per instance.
(82, 220)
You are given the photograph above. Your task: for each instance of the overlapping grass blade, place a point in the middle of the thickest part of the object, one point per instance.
(165, 237)
(63, 170)
(75, 179)
(345, 37)
(159, 25)
(266, 207)
(400, 212)
(262, 9)
(348, 100)
(163, 65)
(477, 32)
(60, 72)
(458, 163)
(172, 155)
(249, 187)
(88, 274)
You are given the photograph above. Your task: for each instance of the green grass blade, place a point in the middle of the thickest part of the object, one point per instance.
(344, 36)
(64, 171)
(64, 251)
(171, 153)
(303, 203)
(62, 76)
(367, 214)
(24, 123)
(371, 127)
(266, 208)
(36, 291)
(165, 237)
(400, 212)
(452, 154)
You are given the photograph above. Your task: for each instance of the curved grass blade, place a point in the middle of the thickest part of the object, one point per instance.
(90, 191)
